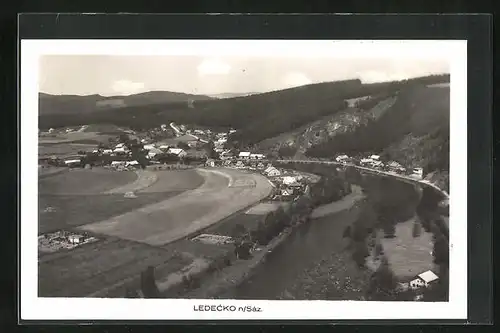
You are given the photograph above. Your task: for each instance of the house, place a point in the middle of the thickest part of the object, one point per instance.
(375, 157)
(72, 163)
(133, 164)
(120, 150)
(210, 163)
(149, 147)
(227, 163)
(76, 239)
(164, 147)
(425, 279)
(257, 156)
(244, 155)
(273, 172)
(120, 145)
(288, 180)
(107, 151)
(366, 161)
(179, 152)
(261, 166)
(153, 152)
(342, 158)
(418, 173)
(287, 192)
(240, 164)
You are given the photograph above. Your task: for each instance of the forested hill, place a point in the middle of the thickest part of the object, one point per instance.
(75, 104)
(257, 117)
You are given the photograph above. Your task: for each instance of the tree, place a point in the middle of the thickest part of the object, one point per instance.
(379, 250)
(417, 229)
(383, 282)
(148, 283)
(347, 232)
(441, 250)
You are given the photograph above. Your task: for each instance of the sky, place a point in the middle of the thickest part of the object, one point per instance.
(112, 75)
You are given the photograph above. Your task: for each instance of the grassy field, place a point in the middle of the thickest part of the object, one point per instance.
(408, 256)
(75, 210)
(85, 181)
(93, 267)
(63, 149)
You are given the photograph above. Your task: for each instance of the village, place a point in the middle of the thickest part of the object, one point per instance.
(178, 147)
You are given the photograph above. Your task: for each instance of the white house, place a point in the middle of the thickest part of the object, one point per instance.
(149, 147)
(107, 151)
(289, 180)
(341, 158)
(273, 172)
(287, 191)
(153, 152)
(72, 162)
(418, 173)
(132, 163)
(244, 154)
(120, 145)
(211, 163)
(76, 239)
(164, 147)
(261, 165)
(424, 280)
(365, 161)
(375, 157)
(179, 152)
(120, 150)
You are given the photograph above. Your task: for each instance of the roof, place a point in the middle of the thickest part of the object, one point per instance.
(244, 154)
(72, 161)
(375, 157)
(428, 276)
(175, 151)
(132, 163)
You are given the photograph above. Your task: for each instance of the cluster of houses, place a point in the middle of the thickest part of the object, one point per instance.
(62, 240)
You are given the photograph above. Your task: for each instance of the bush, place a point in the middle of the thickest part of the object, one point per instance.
(417, 229)
(360, 253)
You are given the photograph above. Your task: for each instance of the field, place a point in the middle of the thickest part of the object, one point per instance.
(409, 256)
(93, 267)
(73, 137)
(186, 213)
(63, 149)
(75, 210)
(85, 181)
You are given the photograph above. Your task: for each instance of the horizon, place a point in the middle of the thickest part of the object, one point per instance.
(238, 93)
(118, 75)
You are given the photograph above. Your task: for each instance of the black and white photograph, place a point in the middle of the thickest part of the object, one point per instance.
(244, 179)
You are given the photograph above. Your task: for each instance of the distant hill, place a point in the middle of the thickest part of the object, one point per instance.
(71, 104)
(232, 95)
(256, 117)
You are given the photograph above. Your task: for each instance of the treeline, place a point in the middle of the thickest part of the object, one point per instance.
(257, 116)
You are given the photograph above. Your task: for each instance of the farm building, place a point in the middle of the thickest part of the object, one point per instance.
(72, 163)
(76, 239)
(425, 279)
(149, 147)
(244, 154)
(210, 163)
(342, 158)
(288, 180)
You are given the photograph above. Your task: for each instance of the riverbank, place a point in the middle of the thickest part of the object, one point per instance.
(222, 283)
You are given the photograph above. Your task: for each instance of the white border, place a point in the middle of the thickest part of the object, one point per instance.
(146, 309)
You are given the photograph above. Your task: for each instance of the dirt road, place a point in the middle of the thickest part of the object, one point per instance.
(223, 192)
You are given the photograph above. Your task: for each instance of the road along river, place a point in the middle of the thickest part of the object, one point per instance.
(223, 192)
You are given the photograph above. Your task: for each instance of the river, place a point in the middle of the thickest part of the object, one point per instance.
(312, 241)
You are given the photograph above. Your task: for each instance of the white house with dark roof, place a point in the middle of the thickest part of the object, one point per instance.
(179, 152)
(424, 279)
(257, 156)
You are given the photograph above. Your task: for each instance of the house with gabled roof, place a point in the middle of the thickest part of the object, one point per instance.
(424, 279)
